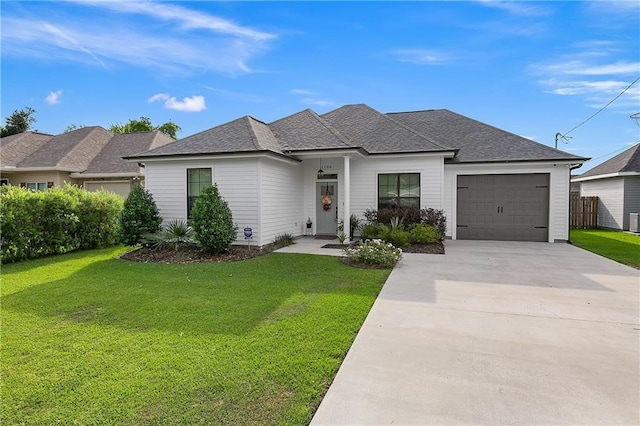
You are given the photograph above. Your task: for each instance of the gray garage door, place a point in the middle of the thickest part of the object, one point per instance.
(503, 207)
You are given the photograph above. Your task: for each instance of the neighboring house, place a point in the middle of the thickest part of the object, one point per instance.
(491, 184)
(616, 183)
(90, 157)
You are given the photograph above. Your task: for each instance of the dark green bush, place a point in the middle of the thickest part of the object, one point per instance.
(55, 221)
(212, 221)
(396, 236)
(435, 218)
(408, 215)
(283, 240)
(424, 234)
(372, 231)
(140, 216)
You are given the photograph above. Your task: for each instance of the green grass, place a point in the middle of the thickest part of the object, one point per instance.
(88, 338)
(617, 245)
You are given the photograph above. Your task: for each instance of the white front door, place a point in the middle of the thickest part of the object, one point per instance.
(327, 208)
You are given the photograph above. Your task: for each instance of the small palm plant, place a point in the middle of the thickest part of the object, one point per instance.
(177, 232)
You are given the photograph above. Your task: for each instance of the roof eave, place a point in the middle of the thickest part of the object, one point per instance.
(604, 176)
(211, 155)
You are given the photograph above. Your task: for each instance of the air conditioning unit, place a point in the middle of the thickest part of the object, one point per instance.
(633, 222)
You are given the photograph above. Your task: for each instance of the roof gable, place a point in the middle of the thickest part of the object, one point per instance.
(626, 161)
(477, 141)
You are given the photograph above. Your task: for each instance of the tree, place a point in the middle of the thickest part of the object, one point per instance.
(18, 122)
(212, 221)
(169, 128)
(140, 216)
(72, 127)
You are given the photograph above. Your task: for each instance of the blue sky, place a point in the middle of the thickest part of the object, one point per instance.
(532, 68)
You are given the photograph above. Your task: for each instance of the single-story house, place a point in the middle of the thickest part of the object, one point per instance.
(616, 183)
(491, 184)
(89, 156)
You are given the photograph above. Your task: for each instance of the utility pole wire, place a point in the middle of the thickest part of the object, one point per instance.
(601, 109)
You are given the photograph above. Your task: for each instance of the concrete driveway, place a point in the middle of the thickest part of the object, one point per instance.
(496, 333)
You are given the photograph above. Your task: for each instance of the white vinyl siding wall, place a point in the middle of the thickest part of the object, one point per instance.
(610, 202)
(559, 176)
(281, 200)
(237, 182)
(364, 180)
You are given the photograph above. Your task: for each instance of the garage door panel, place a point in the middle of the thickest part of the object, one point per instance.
(503, 207)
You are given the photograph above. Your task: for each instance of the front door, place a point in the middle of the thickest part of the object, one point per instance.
(327, 208)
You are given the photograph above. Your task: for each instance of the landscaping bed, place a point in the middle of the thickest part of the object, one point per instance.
(192, 255)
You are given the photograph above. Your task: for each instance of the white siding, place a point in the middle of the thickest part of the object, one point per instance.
(237, 181)
(558, 192)
(610, 203)
(281, 208)
(631, 198)
(364, 179)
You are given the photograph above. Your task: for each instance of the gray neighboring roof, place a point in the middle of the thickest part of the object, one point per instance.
(626, 161)
(305, 130)
(245, 134)
(477, 141)
(15, 148)
(109, 159)
(71, 151)
(378, 133)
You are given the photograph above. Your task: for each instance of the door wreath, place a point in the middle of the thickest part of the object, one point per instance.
(326, 201)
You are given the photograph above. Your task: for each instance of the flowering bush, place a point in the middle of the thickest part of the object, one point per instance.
(374, 252)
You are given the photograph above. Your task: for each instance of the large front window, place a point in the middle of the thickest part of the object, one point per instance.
(197, 179)
(398, 190)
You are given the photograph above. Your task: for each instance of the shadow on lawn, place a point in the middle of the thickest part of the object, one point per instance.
(229, 298)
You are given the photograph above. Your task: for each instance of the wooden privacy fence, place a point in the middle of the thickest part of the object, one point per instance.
(583, 212)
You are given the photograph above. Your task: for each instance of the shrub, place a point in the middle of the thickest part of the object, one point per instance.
(424, 234)
(354, 224)
(139, 217)
(435, 218)
(212, 221)
(370, 215)
(55, 221)
(374, 252)
(283, 240)
(372, 231)
(396, 236)
(177, 233)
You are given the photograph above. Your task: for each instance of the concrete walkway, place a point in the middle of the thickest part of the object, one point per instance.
(495, 333)
(310, 245)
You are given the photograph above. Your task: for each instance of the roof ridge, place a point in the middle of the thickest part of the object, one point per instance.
(636, 151)
(417, 133)
(79, 143)
(252, 132)
(330, 128)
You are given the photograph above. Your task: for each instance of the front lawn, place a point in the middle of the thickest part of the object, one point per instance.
(88, 338)
(617, 245)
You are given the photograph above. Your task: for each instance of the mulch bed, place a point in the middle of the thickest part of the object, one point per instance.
(192, 255)
(236, 254)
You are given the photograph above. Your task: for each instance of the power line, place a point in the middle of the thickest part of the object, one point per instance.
(564, 135)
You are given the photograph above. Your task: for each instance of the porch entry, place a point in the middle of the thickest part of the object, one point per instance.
(326, 208)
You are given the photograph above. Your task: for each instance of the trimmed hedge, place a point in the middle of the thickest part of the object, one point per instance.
(212, 221)
(139, 217)
(55, 221)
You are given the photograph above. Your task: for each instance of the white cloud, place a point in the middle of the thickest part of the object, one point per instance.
(519, 8)
(196, 43)
(420, 56)
(53, 97)
(187, 104)
(301, 92)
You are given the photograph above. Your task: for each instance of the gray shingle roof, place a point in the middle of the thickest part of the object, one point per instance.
(476, 141)
(71, 151)
(362, 127)
(109, 159)
(626, 161)
(305, 130)
(379, 133)
(245, 134)
(15, 148)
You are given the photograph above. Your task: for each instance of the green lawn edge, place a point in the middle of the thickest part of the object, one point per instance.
(623, 247)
